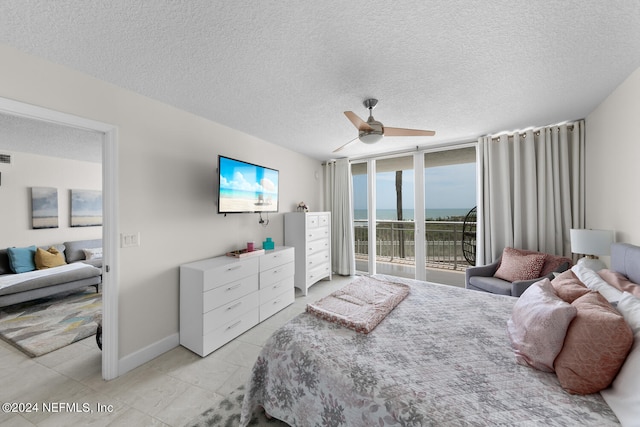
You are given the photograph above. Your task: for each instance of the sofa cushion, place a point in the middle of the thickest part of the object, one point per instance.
(490, 284)
(21, 260)
(516, 265)
(555, 263)
(49, 258)
(5, 267)
(596, 346)
(92, 253)
(74, 250)
(54, 277)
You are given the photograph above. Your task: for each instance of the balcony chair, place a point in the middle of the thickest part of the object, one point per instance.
(521, 269)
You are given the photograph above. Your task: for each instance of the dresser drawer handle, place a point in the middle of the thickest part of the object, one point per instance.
(276, 271)
(235, 267)
(231, 307)
(276, 301)
(230, 288)
(276, 286)
(234, 325)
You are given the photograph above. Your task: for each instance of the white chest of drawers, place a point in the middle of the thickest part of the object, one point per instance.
(310, 234)
(222, 297)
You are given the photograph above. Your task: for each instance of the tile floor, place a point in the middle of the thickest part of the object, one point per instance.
(167, 391)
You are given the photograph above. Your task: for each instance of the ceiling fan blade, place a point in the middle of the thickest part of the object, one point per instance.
(407, 132)
(357, 121)
(340, 148)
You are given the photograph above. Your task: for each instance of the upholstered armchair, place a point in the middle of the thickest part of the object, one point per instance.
(515, 271)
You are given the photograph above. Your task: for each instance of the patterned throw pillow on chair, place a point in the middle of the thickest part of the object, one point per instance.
(515, 265)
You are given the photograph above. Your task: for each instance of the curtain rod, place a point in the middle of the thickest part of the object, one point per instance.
(536, 131)
(440, 147)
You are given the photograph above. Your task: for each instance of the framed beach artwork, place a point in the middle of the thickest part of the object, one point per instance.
(86, 208)
(44, 207)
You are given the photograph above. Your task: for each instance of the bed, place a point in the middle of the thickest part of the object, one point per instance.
(441, 357)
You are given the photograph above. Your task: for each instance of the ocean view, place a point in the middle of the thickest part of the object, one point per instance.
(432, 214)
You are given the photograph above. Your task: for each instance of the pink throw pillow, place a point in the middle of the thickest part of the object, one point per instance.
(568, 287)
(597, 343)
(515, 265)
(538, 326)
(619, 281)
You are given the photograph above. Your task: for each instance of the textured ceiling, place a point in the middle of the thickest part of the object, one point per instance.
(285, 71)
(20, 134)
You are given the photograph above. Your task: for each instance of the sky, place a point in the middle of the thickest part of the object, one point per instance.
(446, 187)
(237, 175)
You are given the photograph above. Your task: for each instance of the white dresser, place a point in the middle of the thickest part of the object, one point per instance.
(222, 297)
(277, 268)
(310, 234)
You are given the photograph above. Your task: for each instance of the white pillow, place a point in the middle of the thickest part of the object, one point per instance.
(623, 396)
(629, 307)
(593, 281)
(92, 253)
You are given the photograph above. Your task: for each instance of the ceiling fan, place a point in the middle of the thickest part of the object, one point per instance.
(372, 130)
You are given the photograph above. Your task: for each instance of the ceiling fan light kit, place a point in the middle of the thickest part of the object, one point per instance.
(370, 138)
(372, 131)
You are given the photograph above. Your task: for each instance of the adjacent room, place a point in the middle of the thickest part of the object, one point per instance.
(342, 213)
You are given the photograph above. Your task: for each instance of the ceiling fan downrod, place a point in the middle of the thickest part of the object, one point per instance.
(370, 104)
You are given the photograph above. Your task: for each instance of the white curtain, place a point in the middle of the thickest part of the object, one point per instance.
(338, 197)
(532, 190)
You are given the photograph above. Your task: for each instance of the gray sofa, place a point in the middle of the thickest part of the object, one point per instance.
(55, 282)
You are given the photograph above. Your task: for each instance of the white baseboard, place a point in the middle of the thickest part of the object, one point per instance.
(148, 353)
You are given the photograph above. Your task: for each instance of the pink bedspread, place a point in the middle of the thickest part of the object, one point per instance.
(360, 305)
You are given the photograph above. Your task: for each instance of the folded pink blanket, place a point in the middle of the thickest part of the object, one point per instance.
(360, 305)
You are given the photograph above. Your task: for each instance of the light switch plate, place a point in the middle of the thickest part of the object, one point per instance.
(129, 240)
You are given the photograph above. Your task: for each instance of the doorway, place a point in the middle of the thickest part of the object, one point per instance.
(109, 228)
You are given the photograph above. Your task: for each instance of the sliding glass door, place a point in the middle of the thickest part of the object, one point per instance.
(360, 215)
(449, 196)
(395, 225)
(409, 213)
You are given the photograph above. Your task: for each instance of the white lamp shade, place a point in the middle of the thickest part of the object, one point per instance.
(591, 242)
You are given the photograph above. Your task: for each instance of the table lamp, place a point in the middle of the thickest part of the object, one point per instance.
(591, 243)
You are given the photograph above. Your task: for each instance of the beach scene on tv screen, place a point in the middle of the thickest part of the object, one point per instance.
(247, 188)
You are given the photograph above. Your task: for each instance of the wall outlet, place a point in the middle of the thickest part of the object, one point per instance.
(129, 240)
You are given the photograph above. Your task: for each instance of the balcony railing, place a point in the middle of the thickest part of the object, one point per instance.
(395, 243)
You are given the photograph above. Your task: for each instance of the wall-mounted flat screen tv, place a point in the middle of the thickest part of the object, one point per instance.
(245, 187)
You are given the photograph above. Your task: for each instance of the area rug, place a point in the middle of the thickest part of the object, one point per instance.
(41, 326)
(226, 413)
